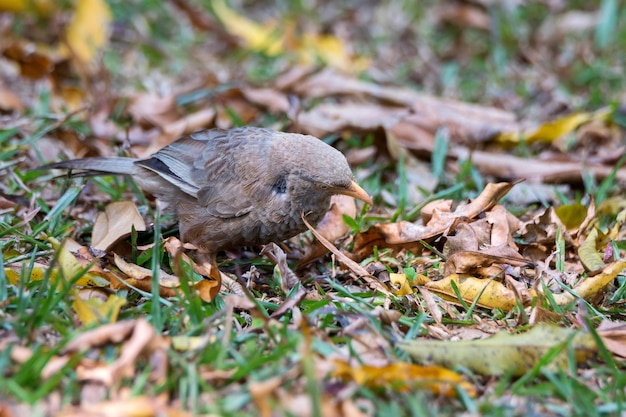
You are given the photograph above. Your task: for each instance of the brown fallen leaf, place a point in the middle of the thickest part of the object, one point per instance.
(439, 223)
(33, 61)
(555, 171)
(464, 15)
(169, 285)
(613, 334)
(115, 223)
(9, 101)
(467, 262)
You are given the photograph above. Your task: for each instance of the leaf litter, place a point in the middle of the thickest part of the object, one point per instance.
(474, 266)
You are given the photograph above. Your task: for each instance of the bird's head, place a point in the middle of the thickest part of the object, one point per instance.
(319, 169)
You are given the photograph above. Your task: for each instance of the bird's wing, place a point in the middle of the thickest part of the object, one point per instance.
(221, 168)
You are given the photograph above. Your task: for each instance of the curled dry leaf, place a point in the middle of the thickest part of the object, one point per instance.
(553, 130)
(141, 406)
(468, 262)
(588, 253)
(274, 100)
(140, 273)
(440, 222)
(115, 223)
(464, 15)
(431, 304)
(154, 110)
(33, 61)
(207, 288)
(169, 284)
(401, 285)
(75, 267)
(108, 333)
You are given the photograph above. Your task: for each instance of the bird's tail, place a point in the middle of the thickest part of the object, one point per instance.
(95, 166)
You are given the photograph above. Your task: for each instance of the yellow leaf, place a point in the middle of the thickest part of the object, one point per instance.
(589, 256)
(43, 7)
(504, 353)
(189, 343)
(89, 29)
(402, 283)
(550, 131)
(403, 376)
(69, 267)
(263, 38)
(14, 273)
(590, 286)
(330, 50)
(94, 310)
(492, 293)
(572, 215)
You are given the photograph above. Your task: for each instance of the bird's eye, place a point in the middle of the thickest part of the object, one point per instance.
(280, 185)
(324, 186)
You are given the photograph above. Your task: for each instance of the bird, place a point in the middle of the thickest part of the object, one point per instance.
(234, 188)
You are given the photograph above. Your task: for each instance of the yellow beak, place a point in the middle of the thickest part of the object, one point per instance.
(354, 190)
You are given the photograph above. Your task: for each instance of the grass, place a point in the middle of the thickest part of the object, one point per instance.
(239, 362)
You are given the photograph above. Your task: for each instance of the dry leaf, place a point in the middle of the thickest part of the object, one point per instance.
(589, 255)
(263, 38)
(33, 62)
(92, 309)
(115, 223)
(404, 376)
(401, 285)
(88, 31)
(9, 101)
(493, 294)
(69, 267)
(551, 131)
(590, 286)
(613, 336)
(468, 262)
(504, 353)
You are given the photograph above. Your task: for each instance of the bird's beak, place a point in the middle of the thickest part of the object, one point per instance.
(354, 190)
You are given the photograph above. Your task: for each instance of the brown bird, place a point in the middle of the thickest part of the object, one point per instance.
(237, 187)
